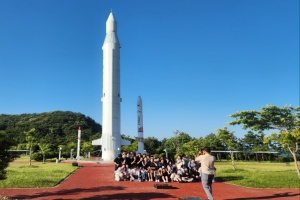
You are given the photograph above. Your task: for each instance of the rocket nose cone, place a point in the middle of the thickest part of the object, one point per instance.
(139, 99)
(111, 24)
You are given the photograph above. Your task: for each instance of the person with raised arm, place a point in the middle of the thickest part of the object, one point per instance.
(208, 169)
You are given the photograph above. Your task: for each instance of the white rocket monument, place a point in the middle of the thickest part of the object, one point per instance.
(140, 126)
(111, 140)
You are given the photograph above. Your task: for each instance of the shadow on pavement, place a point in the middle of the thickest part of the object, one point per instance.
(228, 178)
(65, 192)
(275, 196)
(135, 196)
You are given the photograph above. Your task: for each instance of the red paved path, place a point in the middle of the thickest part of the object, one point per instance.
(95, 181)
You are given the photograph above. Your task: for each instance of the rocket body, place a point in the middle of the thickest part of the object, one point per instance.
(111, 100)
(111, 140)
(140, 126)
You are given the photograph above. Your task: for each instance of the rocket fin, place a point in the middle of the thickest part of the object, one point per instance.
(125, 142)
(97, 142)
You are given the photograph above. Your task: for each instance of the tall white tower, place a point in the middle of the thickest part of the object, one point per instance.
(140, 126)
(111, 140)
(78, 144)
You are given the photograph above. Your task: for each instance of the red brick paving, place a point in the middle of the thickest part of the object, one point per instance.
(96, 181)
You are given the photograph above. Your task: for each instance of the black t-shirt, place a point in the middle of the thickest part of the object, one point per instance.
(145, 164)
(118, 160)
(152, 166)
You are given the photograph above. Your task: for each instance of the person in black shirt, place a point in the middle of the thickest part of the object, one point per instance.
(118, 161)
(195, 174)
(152, 169)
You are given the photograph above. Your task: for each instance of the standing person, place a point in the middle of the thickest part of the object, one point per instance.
(207, 162)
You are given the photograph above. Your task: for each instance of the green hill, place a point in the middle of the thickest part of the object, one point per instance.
(58, 128)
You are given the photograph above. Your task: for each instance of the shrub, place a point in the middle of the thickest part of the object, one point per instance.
(37, 156)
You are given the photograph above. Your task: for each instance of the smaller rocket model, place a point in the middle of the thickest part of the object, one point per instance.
(78, 144)
(140, 126)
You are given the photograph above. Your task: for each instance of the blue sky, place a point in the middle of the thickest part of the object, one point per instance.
(192, 62)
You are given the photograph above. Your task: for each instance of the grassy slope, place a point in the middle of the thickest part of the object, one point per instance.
(259, 175)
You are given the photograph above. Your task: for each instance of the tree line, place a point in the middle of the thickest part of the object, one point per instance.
(45, 133)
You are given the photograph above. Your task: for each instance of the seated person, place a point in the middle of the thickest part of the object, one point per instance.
(165, 174)
(158, 174)
(126, 173)
(192, 164)
(195, 174)
(135, 174)
(176, 175)
(152, 169)
(119, 173)
(185, 175)
(144, 174)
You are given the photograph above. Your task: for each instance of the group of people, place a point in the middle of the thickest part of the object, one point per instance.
(131, 167)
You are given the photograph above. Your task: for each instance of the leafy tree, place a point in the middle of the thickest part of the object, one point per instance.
(285, 119)
(178, 140)
(213, 142)
(152, 144)
(86, 148)
(289, 139)
(269, 117)
(5, 156)
(190, 148)
(229, 142)
(169, 146)
(132, 147)
(30, 138)
(252, 141)
(44, 148)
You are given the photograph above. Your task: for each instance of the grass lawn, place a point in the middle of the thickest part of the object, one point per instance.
(249, 174)
(258, 174)
(21, 175)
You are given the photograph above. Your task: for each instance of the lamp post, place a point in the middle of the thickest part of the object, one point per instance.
(176, 142)
(165, 150)
(59, 154)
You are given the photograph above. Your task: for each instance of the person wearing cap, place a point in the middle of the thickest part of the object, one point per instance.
(208, 169)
